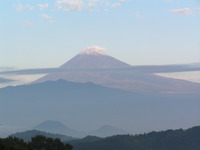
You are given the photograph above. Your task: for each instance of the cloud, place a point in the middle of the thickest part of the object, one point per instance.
(182, 11)
(116, 4)
(173, 1)
(92, 3)
(75, 5)
(18, 79)
(20, 7)
(30, 7)
(193, 76)
(28, 23)
(48, 18)
(87, 5)
(6, 68)
(4, 80)
(70, 5)
(139, 15)
(21, 74)
(43, 6)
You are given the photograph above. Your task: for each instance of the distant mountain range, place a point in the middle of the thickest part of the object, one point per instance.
(27, 135)
(178, 139)
(106, 131)
(94, 89)
(102, 69)
(164, 140)
(91, 105)
(58, 127)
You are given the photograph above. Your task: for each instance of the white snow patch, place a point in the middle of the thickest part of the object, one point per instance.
(94, 50)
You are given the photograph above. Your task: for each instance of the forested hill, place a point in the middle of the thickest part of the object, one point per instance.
(166, 140)
(38, 142)
(27, 135)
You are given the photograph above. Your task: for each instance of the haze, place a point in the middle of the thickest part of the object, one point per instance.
(145, 45)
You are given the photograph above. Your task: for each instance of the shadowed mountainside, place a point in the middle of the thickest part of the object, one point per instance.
(91, 105)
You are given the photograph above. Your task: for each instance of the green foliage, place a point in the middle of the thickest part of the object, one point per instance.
(37, 143)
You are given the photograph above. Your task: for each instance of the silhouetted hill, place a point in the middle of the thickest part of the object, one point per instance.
(27, 135)
(163, 140)
(38, 142)
(107, 130)
(87, 139)
(56, 127)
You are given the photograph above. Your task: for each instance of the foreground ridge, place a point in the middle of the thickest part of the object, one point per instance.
(166, 140)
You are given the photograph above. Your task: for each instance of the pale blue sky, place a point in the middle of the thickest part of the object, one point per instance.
(47, 33)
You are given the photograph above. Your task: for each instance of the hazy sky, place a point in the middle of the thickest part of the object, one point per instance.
(47, 33)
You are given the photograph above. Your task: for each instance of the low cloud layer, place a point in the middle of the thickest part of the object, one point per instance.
(3, 80)
(18, 79)
(142, 69)
(6, 68)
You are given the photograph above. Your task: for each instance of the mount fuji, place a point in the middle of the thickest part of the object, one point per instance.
(93, 65)
(71, 97)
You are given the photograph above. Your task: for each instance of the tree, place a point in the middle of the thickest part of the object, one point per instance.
(37, 143)
(43, 143)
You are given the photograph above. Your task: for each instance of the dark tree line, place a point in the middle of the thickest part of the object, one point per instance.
(164, 140)
(37, 143)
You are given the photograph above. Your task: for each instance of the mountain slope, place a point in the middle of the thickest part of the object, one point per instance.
(86, 106)
(27, 135)
(56, 127)
(88, 67)
(95, 61)
(107, 130)
(165, 140)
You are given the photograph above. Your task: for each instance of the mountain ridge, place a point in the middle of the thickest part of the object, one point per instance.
(136, 80)
(27, 135)
(165, 140)
(87, 105)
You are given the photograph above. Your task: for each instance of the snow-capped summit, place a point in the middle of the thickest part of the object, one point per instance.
(92, 65)
(94, 50)
(94, 58)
